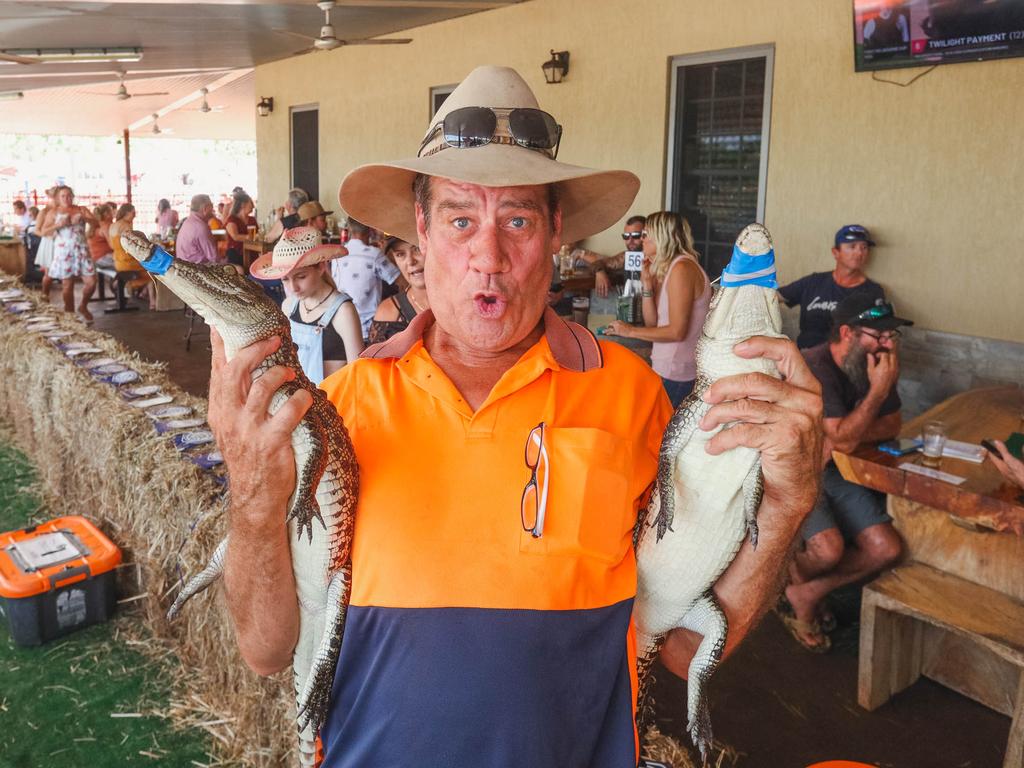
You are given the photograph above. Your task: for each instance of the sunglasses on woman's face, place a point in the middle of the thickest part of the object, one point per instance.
(476, 127)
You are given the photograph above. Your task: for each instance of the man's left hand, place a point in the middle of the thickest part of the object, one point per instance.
(780, 418)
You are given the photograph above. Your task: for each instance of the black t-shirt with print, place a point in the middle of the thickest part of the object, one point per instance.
(818, 294)
(838, 394)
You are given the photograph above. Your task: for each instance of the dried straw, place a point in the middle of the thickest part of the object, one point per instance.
(101, 458)
(663, 748)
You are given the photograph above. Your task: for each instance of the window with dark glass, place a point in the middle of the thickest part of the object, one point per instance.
(717, 159)
(306, 150)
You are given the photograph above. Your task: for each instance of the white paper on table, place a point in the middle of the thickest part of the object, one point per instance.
(936, 474)
(956, 449)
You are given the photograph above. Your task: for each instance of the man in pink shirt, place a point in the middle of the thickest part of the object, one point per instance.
(195, 241)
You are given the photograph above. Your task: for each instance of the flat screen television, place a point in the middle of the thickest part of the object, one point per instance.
(889, 34)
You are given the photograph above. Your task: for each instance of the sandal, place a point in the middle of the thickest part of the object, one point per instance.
(800, 630)
(827, 619)
(783, 607)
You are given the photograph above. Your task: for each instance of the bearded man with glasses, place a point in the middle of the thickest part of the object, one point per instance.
(848, 536)
(504, 454)
(632, 237)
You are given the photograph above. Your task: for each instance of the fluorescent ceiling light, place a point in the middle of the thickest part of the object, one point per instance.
(11, 95)
(77, 55)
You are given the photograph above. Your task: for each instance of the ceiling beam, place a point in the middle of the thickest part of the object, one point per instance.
(187, 99)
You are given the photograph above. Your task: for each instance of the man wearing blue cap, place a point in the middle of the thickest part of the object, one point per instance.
(819, 293)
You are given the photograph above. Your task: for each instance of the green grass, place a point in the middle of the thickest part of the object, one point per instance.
(57, 700)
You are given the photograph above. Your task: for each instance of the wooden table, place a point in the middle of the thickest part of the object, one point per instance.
(971, 534)
(985, 500)
(579, 282)
(13, 257)
(252, 250)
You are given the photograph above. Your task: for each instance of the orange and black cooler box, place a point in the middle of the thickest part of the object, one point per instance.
(55, 578)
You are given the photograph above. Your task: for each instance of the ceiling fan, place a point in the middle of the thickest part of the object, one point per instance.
(122, 92)
(205, 106)
(328, 40)
(157, 130)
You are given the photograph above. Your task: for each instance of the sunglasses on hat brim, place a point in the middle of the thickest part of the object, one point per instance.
(470, 127)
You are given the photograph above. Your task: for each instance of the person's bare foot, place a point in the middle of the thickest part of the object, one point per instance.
(85, 314)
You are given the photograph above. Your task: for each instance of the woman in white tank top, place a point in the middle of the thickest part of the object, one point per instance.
(676, 294)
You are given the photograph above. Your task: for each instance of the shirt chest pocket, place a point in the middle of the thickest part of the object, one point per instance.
(589, 510)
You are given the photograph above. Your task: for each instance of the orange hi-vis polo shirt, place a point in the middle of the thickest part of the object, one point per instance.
(470, 642)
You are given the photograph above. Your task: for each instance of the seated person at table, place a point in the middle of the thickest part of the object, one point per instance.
(236, 227)
(819, 293)
(631, 237)
(361, 273)
(848, 536)
(312, 214)
(124, 221)
(98, 237)
(195, 241)
(22, 219)
(288, 214)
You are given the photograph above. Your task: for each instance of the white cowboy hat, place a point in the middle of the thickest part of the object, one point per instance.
(297, 248)
(381, 195)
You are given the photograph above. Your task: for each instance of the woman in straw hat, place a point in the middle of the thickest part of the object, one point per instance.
(503, 454)
(324, 322)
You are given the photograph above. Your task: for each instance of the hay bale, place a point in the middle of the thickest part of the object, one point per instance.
(99, 457)
(663, 748)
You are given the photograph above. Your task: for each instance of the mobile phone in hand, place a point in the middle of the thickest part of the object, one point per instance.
(989, 446)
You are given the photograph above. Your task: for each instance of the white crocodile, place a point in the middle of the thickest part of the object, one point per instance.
(327, 476)
(703, 505)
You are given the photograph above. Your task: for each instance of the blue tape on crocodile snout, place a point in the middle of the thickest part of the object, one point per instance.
(159, 261)
(744, 269)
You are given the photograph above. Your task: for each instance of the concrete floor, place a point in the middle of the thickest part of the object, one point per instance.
(776, 704)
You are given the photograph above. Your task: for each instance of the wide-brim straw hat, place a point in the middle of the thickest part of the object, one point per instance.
(591, 200)
(311, 210)
(297, 248)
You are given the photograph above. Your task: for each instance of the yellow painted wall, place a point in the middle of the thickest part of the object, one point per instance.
(936, 169)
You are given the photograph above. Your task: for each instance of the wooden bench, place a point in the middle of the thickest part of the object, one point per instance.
(916, 620)
(118, 280)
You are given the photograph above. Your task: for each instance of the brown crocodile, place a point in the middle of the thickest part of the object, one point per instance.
(321, 510)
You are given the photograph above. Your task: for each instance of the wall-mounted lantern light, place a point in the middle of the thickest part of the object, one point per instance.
(556, 67)
(265, 106)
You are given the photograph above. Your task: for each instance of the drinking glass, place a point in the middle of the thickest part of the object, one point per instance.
(934, 436)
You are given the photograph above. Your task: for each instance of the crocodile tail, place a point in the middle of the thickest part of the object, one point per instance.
(645, 684)
(314, 699)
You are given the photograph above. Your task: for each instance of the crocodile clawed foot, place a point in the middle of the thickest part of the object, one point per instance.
(699, 728)
(314, 712)
(303, 513)
(752, 532)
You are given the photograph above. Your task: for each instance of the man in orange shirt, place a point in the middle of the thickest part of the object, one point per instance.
(504, 453)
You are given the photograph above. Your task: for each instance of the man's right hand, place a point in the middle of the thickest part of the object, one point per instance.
(602, 283)
(883, 371)
(256, 446)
